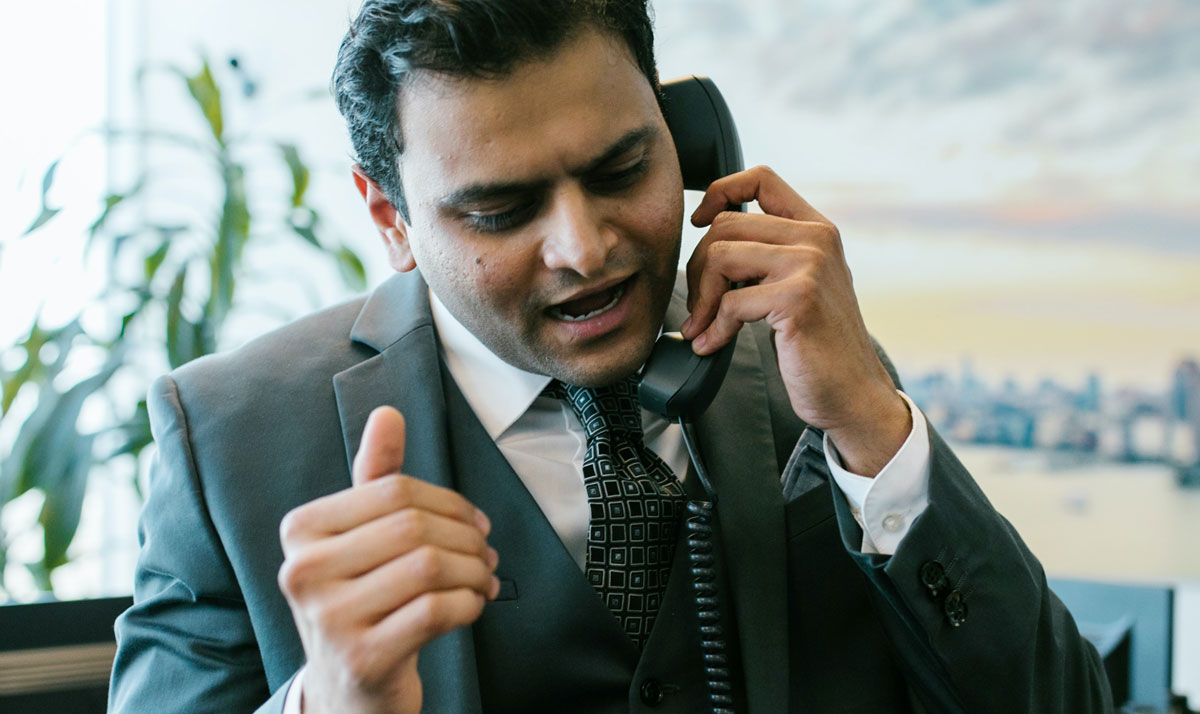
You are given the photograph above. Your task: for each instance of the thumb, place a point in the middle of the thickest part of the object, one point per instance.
(381, 451)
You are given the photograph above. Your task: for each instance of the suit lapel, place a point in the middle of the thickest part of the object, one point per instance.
(736, 442)
(405, 373)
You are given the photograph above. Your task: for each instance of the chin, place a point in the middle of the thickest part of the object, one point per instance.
(601, 371)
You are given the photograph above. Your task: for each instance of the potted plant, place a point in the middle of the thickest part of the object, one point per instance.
(172, 286)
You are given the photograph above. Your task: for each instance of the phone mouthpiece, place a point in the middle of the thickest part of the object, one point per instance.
(676, 382)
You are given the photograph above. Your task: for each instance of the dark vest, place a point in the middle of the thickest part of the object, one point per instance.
(548, 642)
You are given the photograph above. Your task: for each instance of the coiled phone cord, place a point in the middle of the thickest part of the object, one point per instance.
(705, 588)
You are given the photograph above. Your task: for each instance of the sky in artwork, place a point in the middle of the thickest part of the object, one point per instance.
(1016, 182)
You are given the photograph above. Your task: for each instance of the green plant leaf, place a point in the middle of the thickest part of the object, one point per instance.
(179, 333)
(111, 201)
(155, 259)
(204, 90)
(186, 340)
(46, 213)
(143, 297)
(300, 173)
(232, 233)
(33, 369)
(48, 179)
(136, 433)
(303, 222)
(64, 504)
(46, 444)
(42, 219)
(353, 273)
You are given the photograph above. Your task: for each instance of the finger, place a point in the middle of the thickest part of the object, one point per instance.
(428, 569)
(775, 197)
(422, 620)
(358, 551)
(350, 508)
(772, 230)
(737, 307)
(730, 262)
(381, 450)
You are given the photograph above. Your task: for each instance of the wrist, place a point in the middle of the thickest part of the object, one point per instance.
(868, 442)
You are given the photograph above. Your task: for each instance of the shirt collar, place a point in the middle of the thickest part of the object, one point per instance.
(498, 392)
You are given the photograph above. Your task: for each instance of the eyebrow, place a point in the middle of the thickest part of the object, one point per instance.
(483, 192)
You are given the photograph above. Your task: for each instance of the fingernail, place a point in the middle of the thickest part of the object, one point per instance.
(698, 343)
(495, 588)
(686, 324)
(492, 558)
(482, 521)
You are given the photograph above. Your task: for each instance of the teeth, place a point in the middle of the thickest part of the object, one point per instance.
(557, 312)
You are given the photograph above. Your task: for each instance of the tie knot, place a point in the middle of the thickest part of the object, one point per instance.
(603, 410)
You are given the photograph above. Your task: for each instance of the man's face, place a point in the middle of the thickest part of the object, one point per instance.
(546, 208)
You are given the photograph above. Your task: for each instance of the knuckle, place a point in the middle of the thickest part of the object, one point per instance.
(829, 236)
(412, 527)
(397, 491)
(720, 249)
(723, 323)
(293, 524)
(762, 171)
(286, 579)
(427, 564)
(789, 325)
(291, 577)
(804, 287)
(725, 217)
(432, 612)
(297, 572)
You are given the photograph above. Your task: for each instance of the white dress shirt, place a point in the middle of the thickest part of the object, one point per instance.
(543, 441)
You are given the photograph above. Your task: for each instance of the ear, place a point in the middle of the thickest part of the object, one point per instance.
(387, 219)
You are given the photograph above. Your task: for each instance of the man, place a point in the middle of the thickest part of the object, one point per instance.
(515, 159)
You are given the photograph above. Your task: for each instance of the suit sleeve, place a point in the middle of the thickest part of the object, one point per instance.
(966, 605)
(186, 644)
(969, 610)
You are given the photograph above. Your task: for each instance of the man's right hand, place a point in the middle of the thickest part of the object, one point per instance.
(374, 572)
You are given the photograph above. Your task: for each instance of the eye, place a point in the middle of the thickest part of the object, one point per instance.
(503, 220)
(620, 178)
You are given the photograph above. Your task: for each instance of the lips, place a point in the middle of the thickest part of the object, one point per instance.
(590, 305)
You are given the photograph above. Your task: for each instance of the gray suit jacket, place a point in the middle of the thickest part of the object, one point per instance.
(246, 436)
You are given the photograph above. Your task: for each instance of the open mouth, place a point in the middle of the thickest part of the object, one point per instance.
(589, 306)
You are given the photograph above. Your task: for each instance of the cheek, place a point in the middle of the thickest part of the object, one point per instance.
(660, 219)
(500, 280)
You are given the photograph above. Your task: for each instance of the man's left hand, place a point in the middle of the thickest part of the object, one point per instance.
(800, 284)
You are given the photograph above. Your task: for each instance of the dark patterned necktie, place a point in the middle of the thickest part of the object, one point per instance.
(635, 504)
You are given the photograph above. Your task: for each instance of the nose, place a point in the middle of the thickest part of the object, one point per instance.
(578, 238)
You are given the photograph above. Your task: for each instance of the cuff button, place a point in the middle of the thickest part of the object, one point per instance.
(955, 608)
(933, 577)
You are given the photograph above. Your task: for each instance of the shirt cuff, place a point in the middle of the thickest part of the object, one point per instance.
(886, 506)
(293, 700)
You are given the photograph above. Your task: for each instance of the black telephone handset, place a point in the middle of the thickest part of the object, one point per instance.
(677, 383)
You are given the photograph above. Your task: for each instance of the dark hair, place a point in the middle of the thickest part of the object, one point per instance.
(475, 38)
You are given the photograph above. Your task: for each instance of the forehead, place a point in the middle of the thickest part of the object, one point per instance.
(547, 116)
